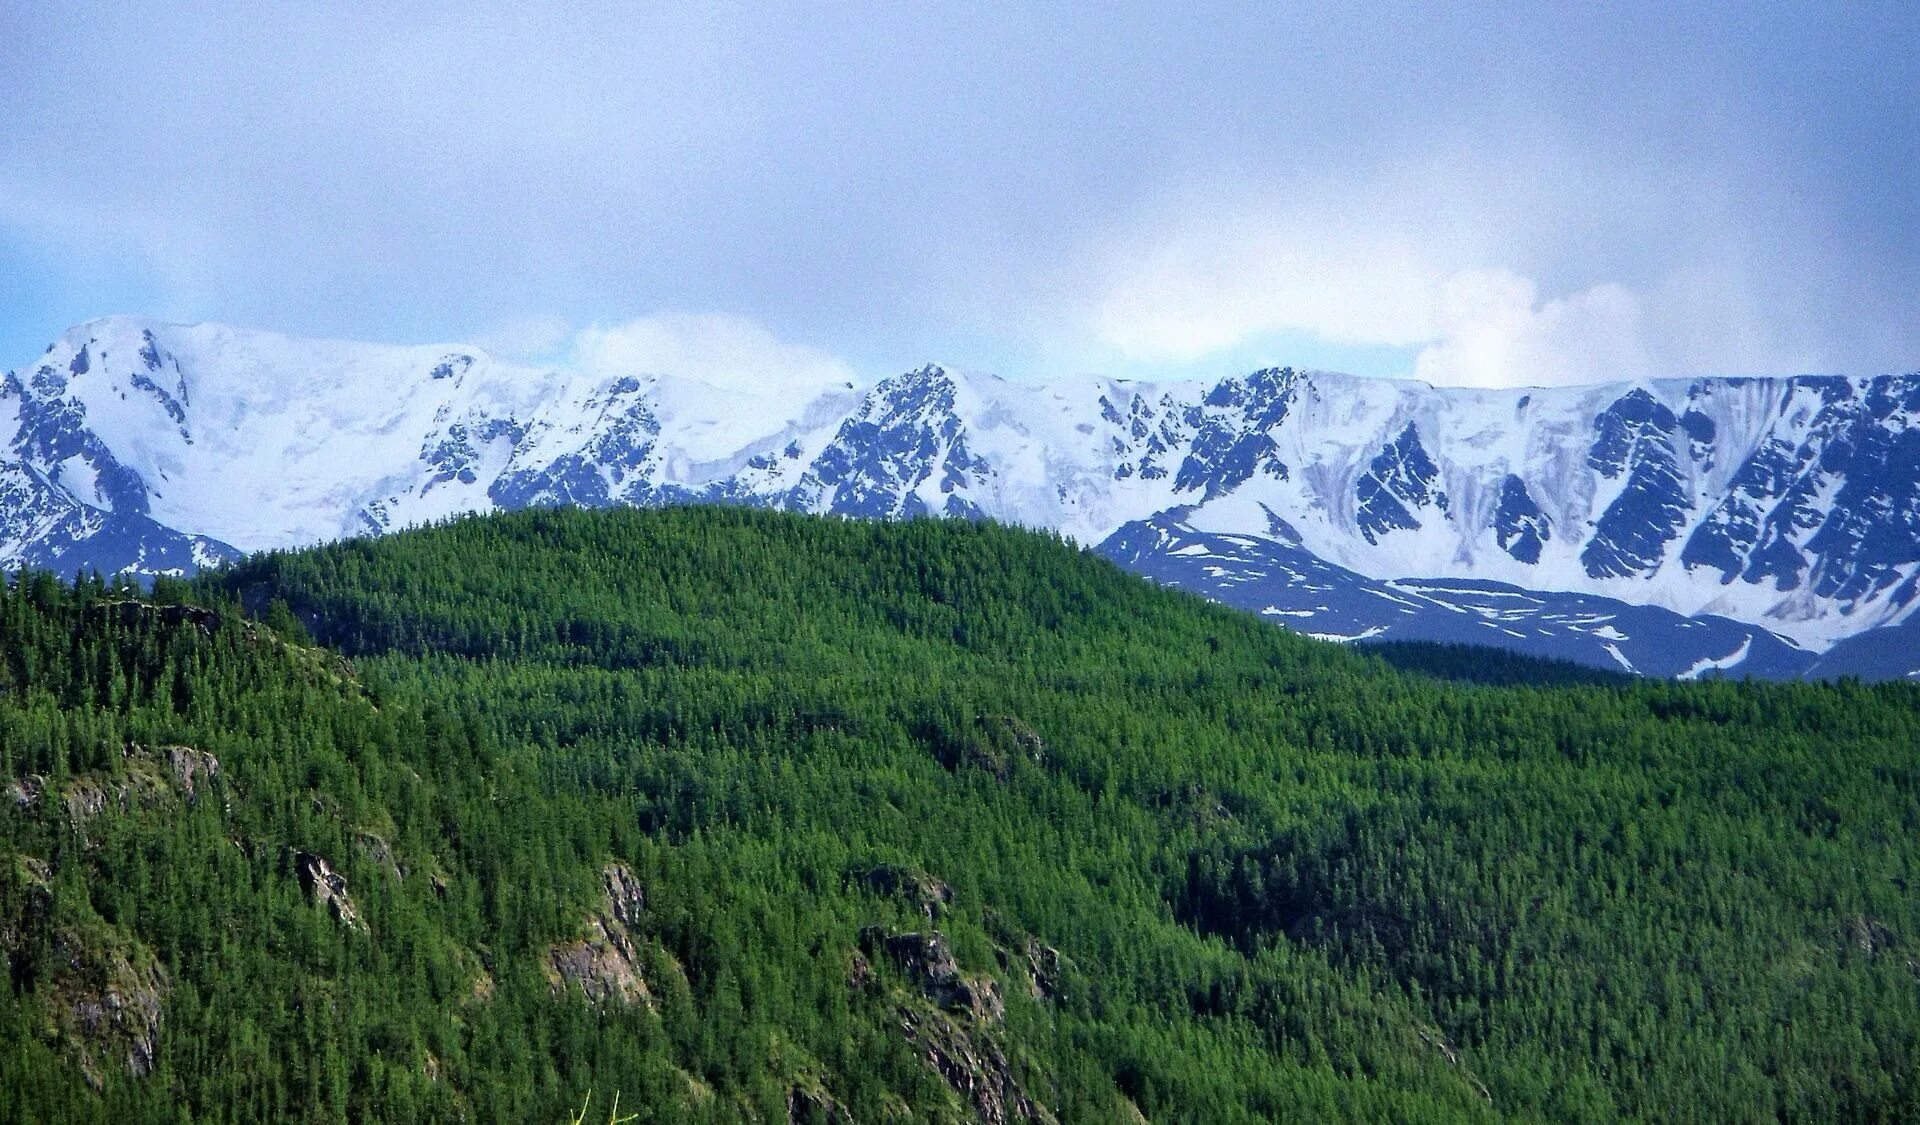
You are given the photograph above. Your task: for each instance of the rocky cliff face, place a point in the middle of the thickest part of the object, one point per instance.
(603, 963)
(1791, 506)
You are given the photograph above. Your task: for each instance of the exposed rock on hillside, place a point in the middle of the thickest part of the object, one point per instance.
(146, 778)
(859, 971)
(994, 743)
(25, 792)
(327, 887)
(1044, 966)
(109, 1007)
(28, 896)
(953, 1022)
(1435, 1038)
(928, 963)
(1023, 736)
(1870, 935)
(193, 770)
(131, 613)
(972, 1062)
(604, 962)
(624, 897)
(375, 848)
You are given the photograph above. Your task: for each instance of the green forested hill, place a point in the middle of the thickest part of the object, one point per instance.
(749, 816)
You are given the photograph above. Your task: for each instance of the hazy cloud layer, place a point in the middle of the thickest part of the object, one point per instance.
(1497, 197)
(725, 351)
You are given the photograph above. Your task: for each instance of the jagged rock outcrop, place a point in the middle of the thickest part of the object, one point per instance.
(1435, 1038)
(102, 991)
(26, 904)
(111, 1004)
(927, 961)
(952, 1019)
(1022, 735)
(1870, 936)
(859, 971)
(604, 961)
(973, 1064)
(625, 899)
(147, 778)
(193, 770)
(1519, 526)
(377, 851)
(994, 743)
(1045, 968)
(1637, 437)
(327, 887)
(1400, 481)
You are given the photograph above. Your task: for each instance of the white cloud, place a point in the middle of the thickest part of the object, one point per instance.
(1493, 331)
(1509, 272)
(1200, 293)
(1225, 282)
(527, 338)
(719, 349)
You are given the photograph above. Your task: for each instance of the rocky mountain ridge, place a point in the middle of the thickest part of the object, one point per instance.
(1787, 509)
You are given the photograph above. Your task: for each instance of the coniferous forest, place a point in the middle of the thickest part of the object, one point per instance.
(743, 816)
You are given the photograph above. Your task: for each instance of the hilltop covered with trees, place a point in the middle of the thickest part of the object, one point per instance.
(751, 816)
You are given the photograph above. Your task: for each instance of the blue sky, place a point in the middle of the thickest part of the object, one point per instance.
(1519, 194)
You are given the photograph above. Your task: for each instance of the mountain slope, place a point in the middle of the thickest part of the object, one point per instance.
(1789, 505)
(1284, 583)
(1891, 652)
(753, 816)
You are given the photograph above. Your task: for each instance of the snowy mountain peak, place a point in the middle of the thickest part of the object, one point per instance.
(1789, 504)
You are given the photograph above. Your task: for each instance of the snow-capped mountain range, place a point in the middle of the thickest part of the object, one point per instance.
(1668, 527)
